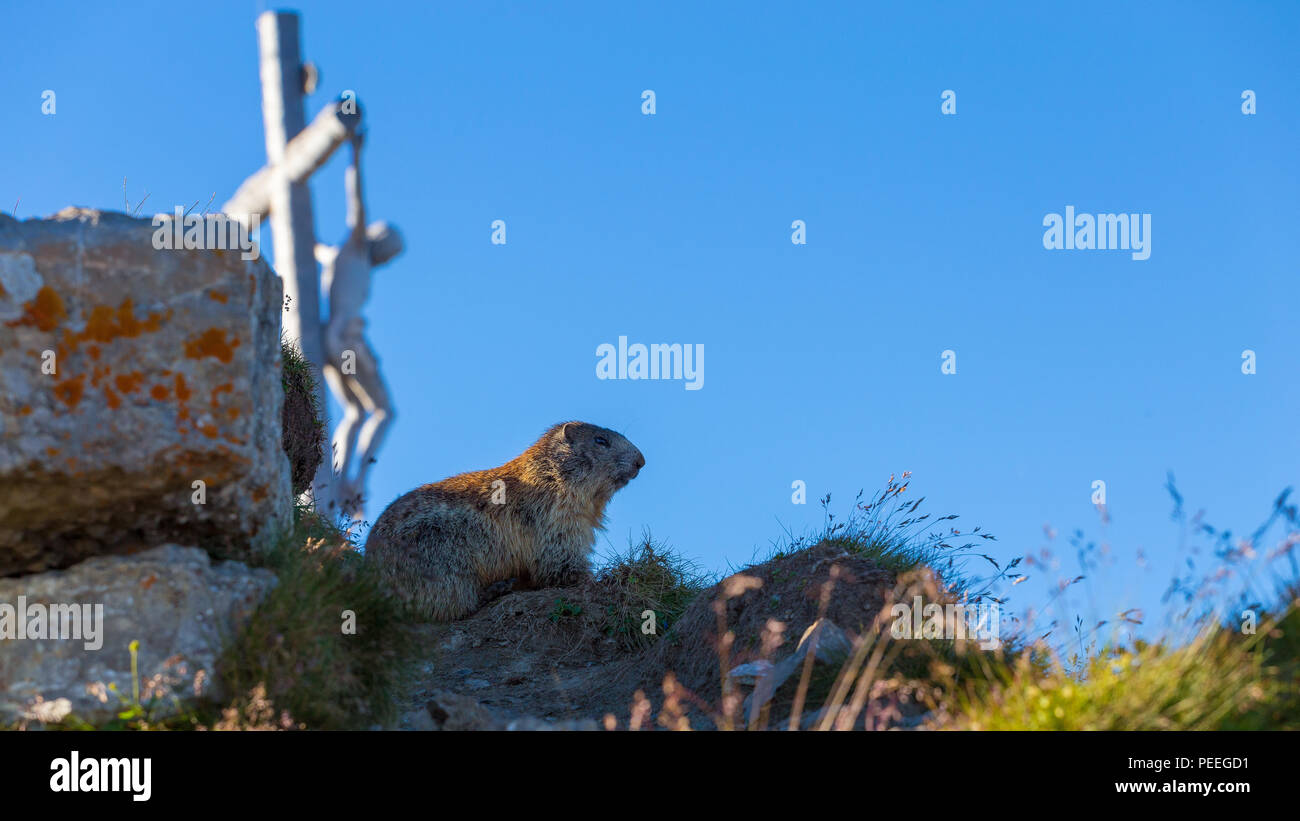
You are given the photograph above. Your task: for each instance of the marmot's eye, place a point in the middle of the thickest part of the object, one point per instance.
(602, 441)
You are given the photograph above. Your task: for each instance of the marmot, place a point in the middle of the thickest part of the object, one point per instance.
(533, 519)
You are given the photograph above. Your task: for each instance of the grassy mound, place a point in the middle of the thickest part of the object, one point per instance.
(850, 573)
(1224, 677)
(328, 644)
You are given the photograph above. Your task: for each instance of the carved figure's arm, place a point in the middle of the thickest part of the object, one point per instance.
(356, 203)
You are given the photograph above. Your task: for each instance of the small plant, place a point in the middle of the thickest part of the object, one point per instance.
(564, 610)
(161, 709)
(745, 619)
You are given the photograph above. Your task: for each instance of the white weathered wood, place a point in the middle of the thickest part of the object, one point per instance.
(292, 224)
(303, 156)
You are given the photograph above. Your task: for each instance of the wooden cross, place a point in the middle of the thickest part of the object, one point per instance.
(294, 151)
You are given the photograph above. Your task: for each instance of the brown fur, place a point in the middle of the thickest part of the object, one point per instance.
(533, 519)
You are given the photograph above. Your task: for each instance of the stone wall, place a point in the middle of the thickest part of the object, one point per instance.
(140, 438)
(128, 375)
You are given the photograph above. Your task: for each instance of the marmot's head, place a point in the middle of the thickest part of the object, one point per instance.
(592, 459)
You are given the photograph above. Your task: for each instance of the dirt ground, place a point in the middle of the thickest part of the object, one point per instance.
(540, 654)
(544, 656)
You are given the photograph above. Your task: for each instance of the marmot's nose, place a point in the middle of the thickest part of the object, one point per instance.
(640, 460)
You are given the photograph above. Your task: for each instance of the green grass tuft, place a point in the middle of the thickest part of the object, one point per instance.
(648, 577)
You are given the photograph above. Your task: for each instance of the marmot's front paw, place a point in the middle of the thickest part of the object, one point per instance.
(497, 589)
(563, 577)
(575, 578)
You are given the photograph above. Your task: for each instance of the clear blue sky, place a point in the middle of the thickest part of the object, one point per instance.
(823, 360)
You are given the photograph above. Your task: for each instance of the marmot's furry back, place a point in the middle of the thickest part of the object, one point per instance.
(534, 519)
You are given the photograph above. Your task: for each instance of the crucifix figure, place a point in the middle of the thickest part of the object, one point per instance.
(350, 365)
(338, 351)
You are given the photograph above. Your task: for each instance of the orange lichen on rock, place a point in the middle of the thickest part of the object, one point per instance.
(45, 312)
(183, 392)
(159, 392)
(212, 342)
(217, 296)
(128, 382)
(100, 325)
(97, 373)
(70, 390)
(110, 396)
(106, 324)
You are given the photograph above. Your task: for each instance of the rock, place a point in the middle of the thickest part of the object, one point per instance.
(454, 641)
(749, 674)
(824, 638)
(418, 720)
(179, 605)
(128, 375)
(451, 711)
(833, 646)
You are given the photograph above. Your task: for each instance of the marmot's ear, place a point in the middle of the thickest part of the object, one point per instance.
(569, 431)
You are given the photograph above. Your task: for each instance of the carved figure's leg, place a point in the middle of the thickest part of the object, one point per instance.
(344, 441)
(369, 388)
